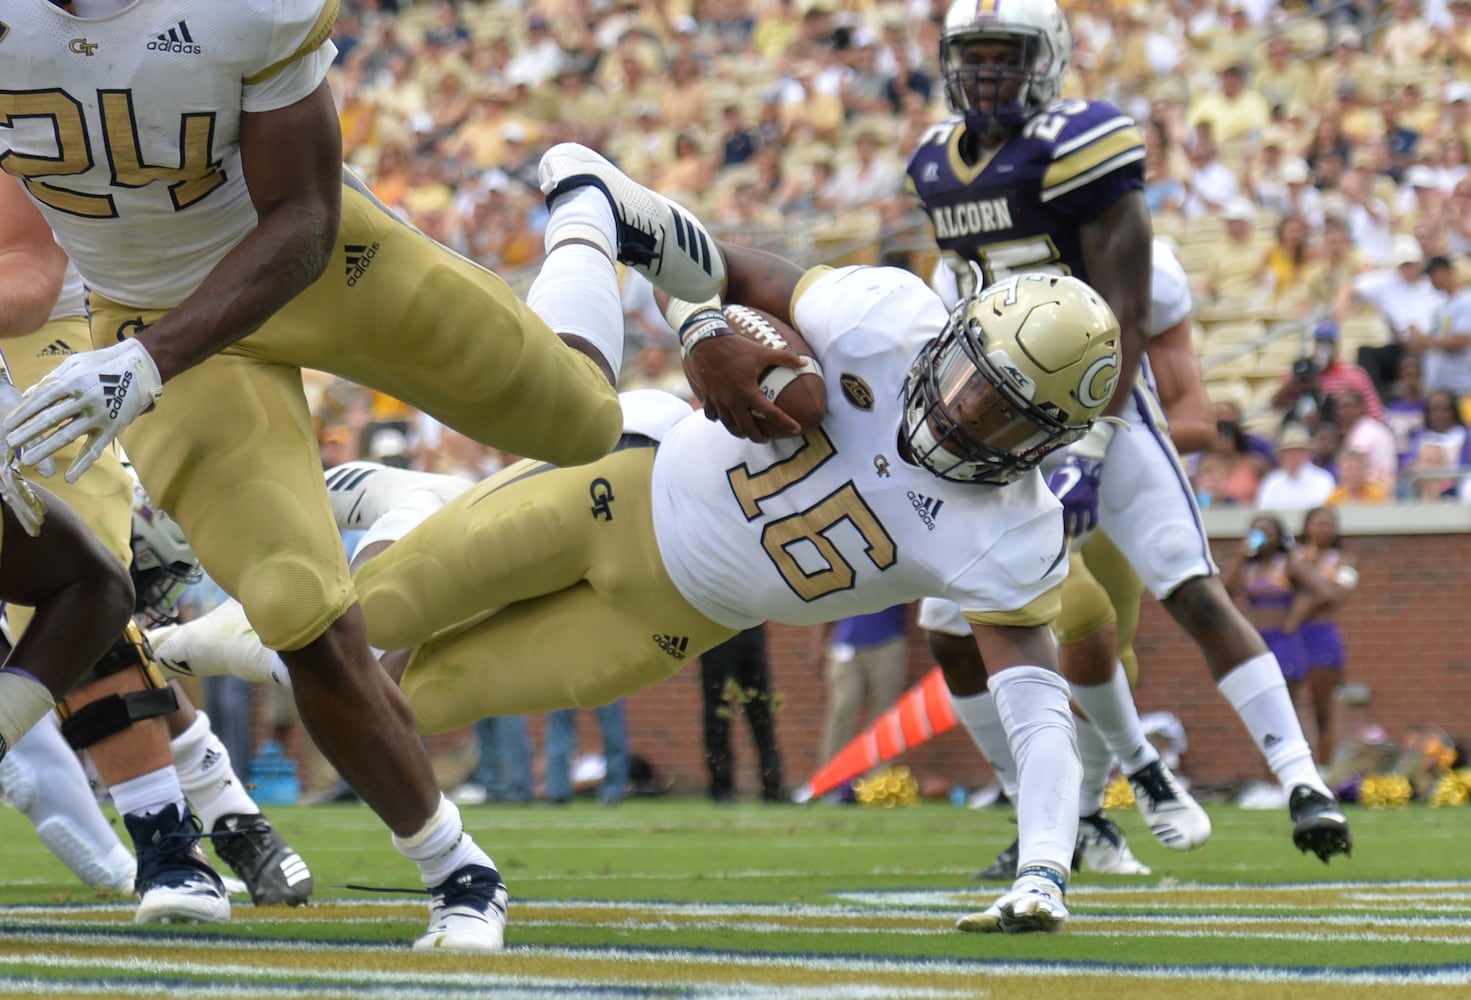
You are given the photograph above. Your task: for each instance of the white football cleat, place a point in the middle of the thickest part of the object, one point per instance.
(220, 643)
(1033, 904)
(1103, 848)
(362, 492)
(656, 237)
(1171, 813)
(467, 912)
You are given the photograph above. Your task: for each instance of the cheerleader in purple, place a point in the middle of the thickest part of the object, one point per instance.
(1321, 639)
(1279, 591)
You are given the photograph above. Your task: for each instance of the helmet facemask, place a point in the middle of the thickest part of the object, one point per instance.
(968, 416)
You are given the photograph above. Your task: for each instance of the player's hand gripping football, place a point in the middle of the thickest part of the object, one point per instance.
(1075, 481)
(725, 371)
(15, 492)
(92, 395)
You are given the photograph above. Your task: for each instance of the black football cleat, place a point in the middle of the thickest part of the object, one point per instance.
(1318, 824)
(261, 858)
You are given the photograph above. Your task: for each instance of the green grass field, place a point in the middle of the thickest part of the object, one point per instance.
(673, 898)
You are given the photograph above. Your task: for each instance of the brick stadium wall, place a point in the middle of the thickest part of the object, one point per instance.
(1407, 629)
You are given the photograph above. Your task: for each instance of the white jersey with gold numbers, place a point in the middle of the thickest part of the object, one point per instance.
(837, 523)
(125, 129)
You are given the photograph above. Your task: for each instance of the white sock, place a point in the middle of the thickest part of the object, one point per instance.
(42, 777)
(220, 643)
(1259, 694)
(206, 775)
(1097, 761)
(149, 793)
(24, 701)
(442, 847)
(977, 713)
(576, 290)
(1033, 704)
(1110, 707)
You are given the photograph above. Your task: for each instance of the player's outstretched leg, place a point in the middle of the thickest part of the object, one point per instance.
(656, 237)
(1034, 903)
(1172, 814)
(1318, 824)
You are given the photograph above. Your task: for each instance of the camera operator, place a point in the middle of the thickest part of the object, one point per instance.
(1309, 391)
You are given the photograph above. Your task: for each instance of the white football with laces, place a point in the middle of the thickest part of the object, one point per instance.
(800, 393)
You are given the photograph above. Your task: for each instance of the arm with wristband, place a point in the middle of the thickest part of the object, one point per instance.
(725, 371)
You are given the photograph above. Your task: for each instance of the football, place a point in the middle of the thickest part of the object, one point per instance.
(800, 393)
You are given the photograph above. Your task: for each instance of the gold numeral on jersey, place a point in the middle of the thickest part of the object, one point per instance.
(73, 151)
(195, 176)
(753, 487)
(812, 525)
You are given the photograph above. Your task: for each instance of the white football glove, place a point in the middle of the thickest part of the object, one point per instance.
(15, 492)
(91, 395)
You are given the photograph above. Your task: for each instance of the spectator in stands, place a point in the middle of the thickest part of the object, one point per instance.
(1366, 433)
(1229, 412)
(1327, 445)
(1296, 483)
(561, 750)
(1445, 348)
(1283, 79)
(1349, 64)
(1355, 485)
(872, 176)
(865, 659)
(1338, 260)
(1328, 141)
(738, 140)
(1235, 469)
(1316, 381)
(1406, 42)
(1164, 191)
(1404, 413)
(1369, 218)
(1288, 259)
(1210, 184)
(1404, 297)
(735, 676)
(1323, 648)
(1420, 197)
(1435, 447)
(1234, 112)
(1293, 194)
(1238, 274)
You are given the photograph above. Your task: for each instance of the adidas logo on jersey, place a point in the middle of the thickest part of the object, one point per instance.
(176, 39)
(359, 256)
(57, 348)
(927, 508)
(676, 646)
(115, 391)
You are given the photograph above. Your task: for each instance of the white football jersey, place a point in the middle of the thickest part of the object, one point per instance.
(125, 129)
(812, 529)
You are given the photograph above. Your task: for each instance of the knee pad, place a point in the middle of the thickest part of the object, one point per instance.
(114, 713)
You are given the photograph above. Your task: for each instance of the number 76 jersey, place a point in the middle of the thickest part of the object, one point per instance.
(837, 522)
(125, 129)
(1021, 210)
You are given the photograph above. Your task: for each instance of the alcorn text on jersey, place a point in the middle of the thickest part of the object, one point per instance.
(125, 129)
(837, 523)
(1022, 208)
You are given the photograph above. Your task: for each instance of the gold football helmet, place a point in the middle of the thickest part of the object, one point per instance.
(1022, 368)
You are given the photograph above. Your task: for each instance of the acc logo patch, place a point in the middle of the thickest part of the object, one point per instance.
(856, 391)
